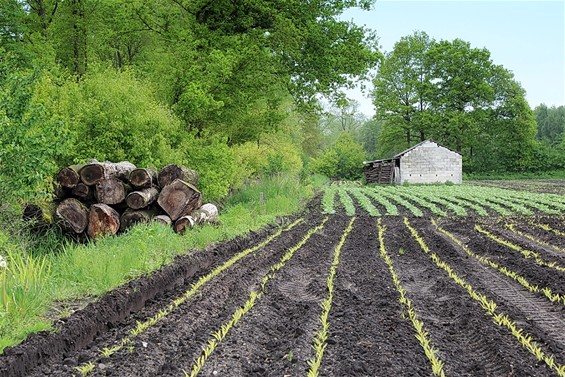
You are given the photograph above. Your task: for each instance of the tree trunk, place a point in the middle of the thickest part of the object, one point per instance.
(83, 192)
(163, 219)
(144, 178)
(179, 199)
(102, 220)
(69, 177)
(97, 171)
(110, 191)
(208, 213)
(184, 223)
(141, 199)
(73, 215)
(131, 217)
(171, 172)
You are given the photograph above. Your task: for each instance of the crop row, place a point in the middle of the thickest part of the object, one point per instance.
(440, 201)
(254, 296)
(142, 326)
(490, 307)
(321, 337)
(421, 334)
(546, 291)
(526, 253)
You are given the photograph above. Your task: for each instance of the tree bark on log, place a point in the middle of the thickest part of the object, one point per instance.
(111, 191)
(163, 219)
(69, 177)
(207, 213)
(171, 172)
(96, 171)
(141, 199)
(144, 178)
(73, 215)
(131, 217)
(102, 220)
(179, 199)
(184, 223)
(83, 192)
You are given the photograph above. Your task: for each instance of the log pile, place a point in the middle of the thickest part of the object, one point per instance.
(104, 198)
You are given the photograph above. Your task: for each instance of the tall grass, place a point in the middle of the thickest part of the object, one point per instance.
(39, 276)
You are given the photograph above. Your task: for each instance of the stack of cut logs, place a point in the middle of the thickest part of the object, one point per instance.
(104, 198)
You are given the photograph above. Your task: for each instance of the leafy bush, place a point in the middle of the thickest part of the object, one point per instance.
(271, 155)
(214, 160)
(117, 118)
(33, 141)
(344, 159)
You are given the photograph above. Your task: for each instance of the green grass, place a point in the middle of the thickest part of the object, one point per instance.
(42, 275)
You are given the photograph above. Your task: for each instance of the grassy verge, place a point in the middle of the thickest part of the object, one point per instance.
(40, 283)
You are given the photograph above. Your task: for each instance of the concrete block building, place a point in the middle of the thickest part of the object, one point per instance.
(426, 162)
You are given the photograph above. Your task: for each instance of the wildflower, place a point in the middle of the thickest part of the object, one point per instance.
(3, 263)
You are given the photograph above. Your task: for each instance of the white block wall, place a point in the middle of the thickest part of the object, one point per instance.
(431, 163)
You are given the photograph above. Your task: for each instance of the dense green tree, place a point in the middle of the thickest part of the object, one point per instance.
(402, 93)
(221, 61)
(453, 93)
(344, 159)
(157, 81)
(550, 123)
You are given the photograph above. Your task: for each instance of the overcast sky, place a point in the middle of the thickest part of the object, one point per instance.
(526, 37)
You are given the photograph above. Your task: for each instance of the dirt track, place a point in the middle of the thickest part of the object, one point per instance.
(369, 330)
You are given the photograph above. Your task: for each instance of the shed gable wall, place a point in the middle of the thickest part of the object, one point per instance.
(431, 163)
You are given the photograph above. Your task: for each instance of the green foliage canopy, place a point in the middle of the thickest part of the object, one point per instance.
(344, 159)
(453, 93)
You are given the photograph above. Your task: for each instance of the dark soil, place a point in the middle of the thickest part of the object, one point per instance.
(369, 331)
(467, 339)
(548, 186)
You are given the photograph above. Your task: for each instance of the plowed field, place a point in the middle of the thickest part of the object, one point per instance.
(332, 295)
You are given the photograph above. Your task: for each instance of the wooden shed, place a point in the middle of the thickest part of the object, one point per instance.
(426, 162)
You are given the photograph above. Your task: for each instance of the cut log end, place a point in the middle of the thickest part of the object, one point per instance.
(68, 177)
(73, 215)
(102, 220)
(143, 178)
(143, 198)
(131, 217)
(92, 173)
(172, 172)
(163, 219)
(97, 171)
(83, 192)
(183, 224)
(179, 199)
(110, 191)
